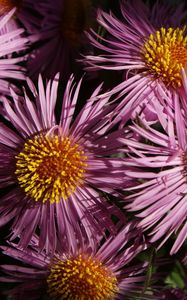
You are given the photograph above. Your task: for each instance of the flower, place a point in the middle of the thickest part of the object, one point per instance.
(158, 159)
(59, 171)
(61, 36)
(11, 43)
(149, 44)
(83, 271)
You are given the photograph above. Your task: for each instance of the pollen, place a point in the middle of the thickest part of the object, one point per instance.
(7, 5)
(165, 54)
(50, 168)
(82, 278)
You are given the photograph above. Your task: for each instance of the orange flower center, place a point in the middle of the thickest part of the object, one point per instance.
(165, 54)
(82, 278)
(50, 168)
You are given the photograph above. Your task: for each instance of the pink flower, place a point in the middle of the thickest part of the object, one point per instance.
(147, 44)
(82, 271)
(59, 170)
(158, 159)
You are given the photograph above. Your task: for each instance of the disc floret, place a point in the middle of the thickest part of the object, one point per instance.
(165, 54)
(81, 277)
(50, 168)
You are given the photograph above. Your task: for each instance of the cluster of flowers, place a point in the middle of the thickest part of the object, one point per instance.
(89, 183)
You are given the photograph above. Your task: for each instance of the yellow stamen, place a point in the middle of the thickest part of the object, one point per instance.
(81, 278)
(50, 168)
(165, 54)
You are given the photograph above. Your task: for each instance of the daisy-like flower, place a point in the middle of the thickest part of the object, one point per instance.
(58, 170)
(82, 272)
(61, 36)
(11, 43)
(158, 160)
(149, 44)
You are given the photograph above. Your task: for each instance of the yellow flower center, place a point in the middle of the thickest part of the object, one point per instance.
(81, 278)
(75, 20)
(7, 5)
(50, 168)
(165, 54)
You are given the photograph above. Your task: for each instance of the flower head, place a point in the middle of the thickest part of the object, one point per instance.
(149, 45)
(55, 172)
(158, 159)
(85, 272)
(59, 171)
